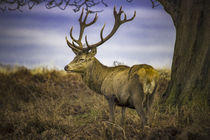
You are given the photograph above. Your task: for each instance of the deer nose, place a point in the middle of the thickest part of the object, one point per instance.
(66, 67)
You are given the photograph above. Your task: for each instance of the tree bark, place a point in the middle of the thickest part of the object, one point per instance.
(190, 78)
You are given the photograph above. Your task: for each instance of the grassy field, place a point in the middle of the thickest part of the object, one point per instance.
(41, 104)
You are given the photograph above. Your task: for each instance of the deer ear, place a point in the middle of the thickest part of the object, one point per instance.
(93, 51)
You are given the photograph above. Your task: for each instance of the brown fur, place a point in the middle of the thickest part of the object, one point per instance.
(121, 85)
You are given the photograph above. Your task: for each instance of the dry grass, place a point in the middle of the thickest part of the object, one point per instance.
(51, 104)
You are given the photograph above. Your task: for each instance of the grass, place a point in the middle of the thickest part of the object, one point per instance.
(52, 104)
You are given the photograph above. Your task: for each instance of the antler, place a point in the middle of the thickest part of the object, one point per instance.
(83, 24)
(117, 24)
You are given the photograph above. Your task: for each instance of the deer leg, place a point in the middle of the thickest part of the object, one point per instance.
(111, 109)
(123, 116)
(146, 103)
(137, 102)
(149, 102)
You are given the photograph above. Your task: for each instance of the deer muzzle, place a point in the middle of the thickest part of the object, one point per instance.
(66, 68)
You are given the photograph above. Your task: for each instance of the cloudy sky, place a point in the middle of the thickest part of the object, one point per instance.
(37, 37)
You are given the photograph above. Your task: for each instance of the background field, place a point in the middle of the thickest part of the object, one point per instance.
(52, 104)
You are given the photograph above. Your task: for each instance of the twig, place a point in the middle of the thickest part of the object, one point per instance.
(118, 126)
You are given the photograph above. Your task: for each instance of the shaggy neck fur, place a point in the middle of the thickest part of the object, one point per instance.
(95, 75)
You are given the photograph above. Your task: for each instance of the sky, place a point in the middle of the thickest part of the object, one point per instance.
(36, 37)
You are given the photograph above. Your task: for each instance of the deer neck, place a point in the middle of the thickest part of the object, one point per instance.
(95, 75)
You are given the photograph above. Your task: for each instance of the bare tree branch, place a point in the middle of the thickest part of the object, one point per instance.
(61, 4)
(155, 3)
(12, 5)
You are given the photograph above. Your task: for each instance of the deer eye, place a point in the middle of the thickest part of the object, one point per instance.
(82, 60)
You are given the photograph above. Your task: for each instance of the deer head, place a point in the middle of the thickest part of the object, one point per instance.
(86, 55)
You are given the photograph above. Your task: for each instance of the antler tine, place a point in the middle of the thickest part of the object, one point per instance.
(88, 46)
(80, 18)
(121, 11)
(101, 33)
(118, 22)
(93, 21)
(118, 15)
(84, 21)
(73, 37)
(125, 17)
(114, 12)
(72, 45)
(83, 25)
(79, 47)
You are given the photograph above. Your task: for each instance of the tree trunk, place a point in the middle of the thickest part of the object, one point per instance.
(190, 78)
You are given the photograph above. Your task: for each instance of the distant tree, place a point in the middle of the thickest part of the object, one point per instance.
(190, 78)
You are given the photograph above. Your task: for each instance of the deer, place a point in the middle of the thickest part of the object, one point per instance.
(124, 86)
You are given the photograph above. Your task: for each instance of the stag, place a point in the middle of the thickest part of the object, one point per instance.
(123, 86)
